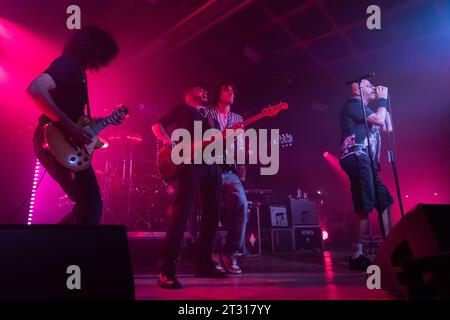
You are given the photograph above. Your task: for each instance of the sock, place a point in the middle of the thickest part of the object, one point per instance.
(357, 250)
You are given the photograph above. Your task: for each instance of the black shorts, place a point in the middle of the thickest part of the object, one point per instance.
(358, 168)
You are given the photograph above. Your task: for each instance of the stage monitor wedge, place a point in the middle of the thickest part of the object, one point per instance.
(65, 262)
(420, 242)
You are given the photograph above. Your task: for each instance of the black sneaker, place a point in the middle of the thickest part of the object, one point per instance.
(167, 281)
(361, 263)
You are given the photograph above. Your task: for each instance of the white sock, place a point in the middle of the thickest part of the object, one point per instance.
(357, 250)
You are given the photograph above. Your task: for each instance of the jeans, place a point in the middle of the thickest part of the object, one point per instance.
(233, 215)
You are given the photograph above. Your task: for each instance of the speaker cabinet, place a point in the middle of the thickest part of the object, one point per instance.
(308, 238)
(303, 212)
(65, 262)
(276, 241)
(413, 250)
(253, 231)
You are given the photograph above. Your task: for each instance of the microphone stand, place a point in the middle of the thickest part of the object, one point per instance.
(374, 174)
(391, 159)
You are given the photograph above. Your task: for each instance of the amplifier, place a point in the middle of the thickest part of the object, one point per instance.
(276, 241)
(308, 238)
(274, 216)
(303, 212)
(252, 231)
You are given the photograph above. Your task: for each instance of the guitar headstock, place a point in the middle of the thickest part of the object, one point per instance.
(285, 140)
(273, 110)
(121, 110)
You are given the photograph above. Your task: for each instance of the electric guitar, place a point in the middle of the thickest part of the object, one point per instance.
(169, 171)
(60, 145)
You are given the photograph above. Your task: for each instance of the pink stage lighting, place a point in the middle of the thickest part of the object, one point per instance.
(3, 75)
(333, 161)
(324, 235)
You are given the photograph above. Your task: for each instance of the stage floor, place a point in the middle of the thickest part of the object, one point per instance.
(299, 276)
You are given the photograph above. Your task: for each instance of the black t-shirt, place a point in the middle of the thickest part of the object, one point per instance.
(70, 94)
(353, 130)
(183, 117)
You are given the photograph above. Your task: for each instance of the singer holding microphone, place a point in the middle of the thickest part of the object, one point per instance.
(361, 163)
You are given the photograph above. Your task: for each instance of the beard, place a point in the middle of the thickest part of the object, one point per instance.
(201, 100)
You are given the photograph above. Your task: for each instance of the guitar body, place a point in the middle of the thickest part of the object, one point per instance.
(74, 158)
(57, 142)
(166, 168)
(169, 171)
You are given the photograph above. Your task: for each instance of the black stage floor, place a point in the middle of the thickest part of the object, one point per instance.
(295, 276)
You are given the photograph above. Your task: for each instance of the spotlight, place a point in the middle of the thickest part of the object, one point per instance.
(170, 189)
(325, 154)
(324, 235)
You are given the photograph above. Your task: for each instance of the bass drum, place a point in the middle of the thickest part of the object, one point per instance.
(151, 200)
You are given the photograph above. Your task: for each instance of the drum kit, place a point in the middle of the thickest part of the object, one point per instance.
(134, 194)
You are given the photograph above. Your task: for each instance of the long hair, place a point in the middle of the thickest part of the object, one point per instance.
(215, 94)
(92, 47)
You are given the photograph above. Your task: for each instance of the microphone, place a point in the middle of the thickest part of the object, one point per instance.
(358, 79)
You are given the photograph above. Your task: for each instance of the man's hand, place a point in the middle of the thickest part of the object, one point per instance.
(78, 134)
(168, 143)
(238, 125)
(242, 172)
(381, 92)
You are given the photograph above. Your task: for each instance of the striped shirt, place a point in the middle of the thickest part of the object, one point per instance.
(231, 119)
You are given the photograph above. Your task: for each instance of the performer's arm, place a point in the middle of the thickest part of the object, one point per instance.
(379, 117)
(160, 133)
(160, 126)
(39, 90)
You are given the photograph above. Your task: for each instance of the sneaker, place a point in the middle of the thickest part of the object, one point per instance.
(230, 264)
(167, 281)
(219, 267)
(361, 263)
(211, 270)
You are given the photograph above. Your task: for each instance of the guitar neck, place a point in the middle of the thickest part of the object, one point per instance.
(253, 119)
(100, 124)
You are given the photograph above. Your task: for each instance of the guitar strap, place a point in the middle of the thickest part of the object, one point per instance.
(88, 106)
(211, 122)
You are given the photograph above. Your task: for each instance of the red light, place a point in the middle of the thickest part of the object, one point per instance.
(324, 235)
(325, 154)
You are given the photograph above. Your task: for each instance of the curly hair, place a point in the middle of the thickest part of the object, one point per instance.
(215, 93)
(92, 47)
